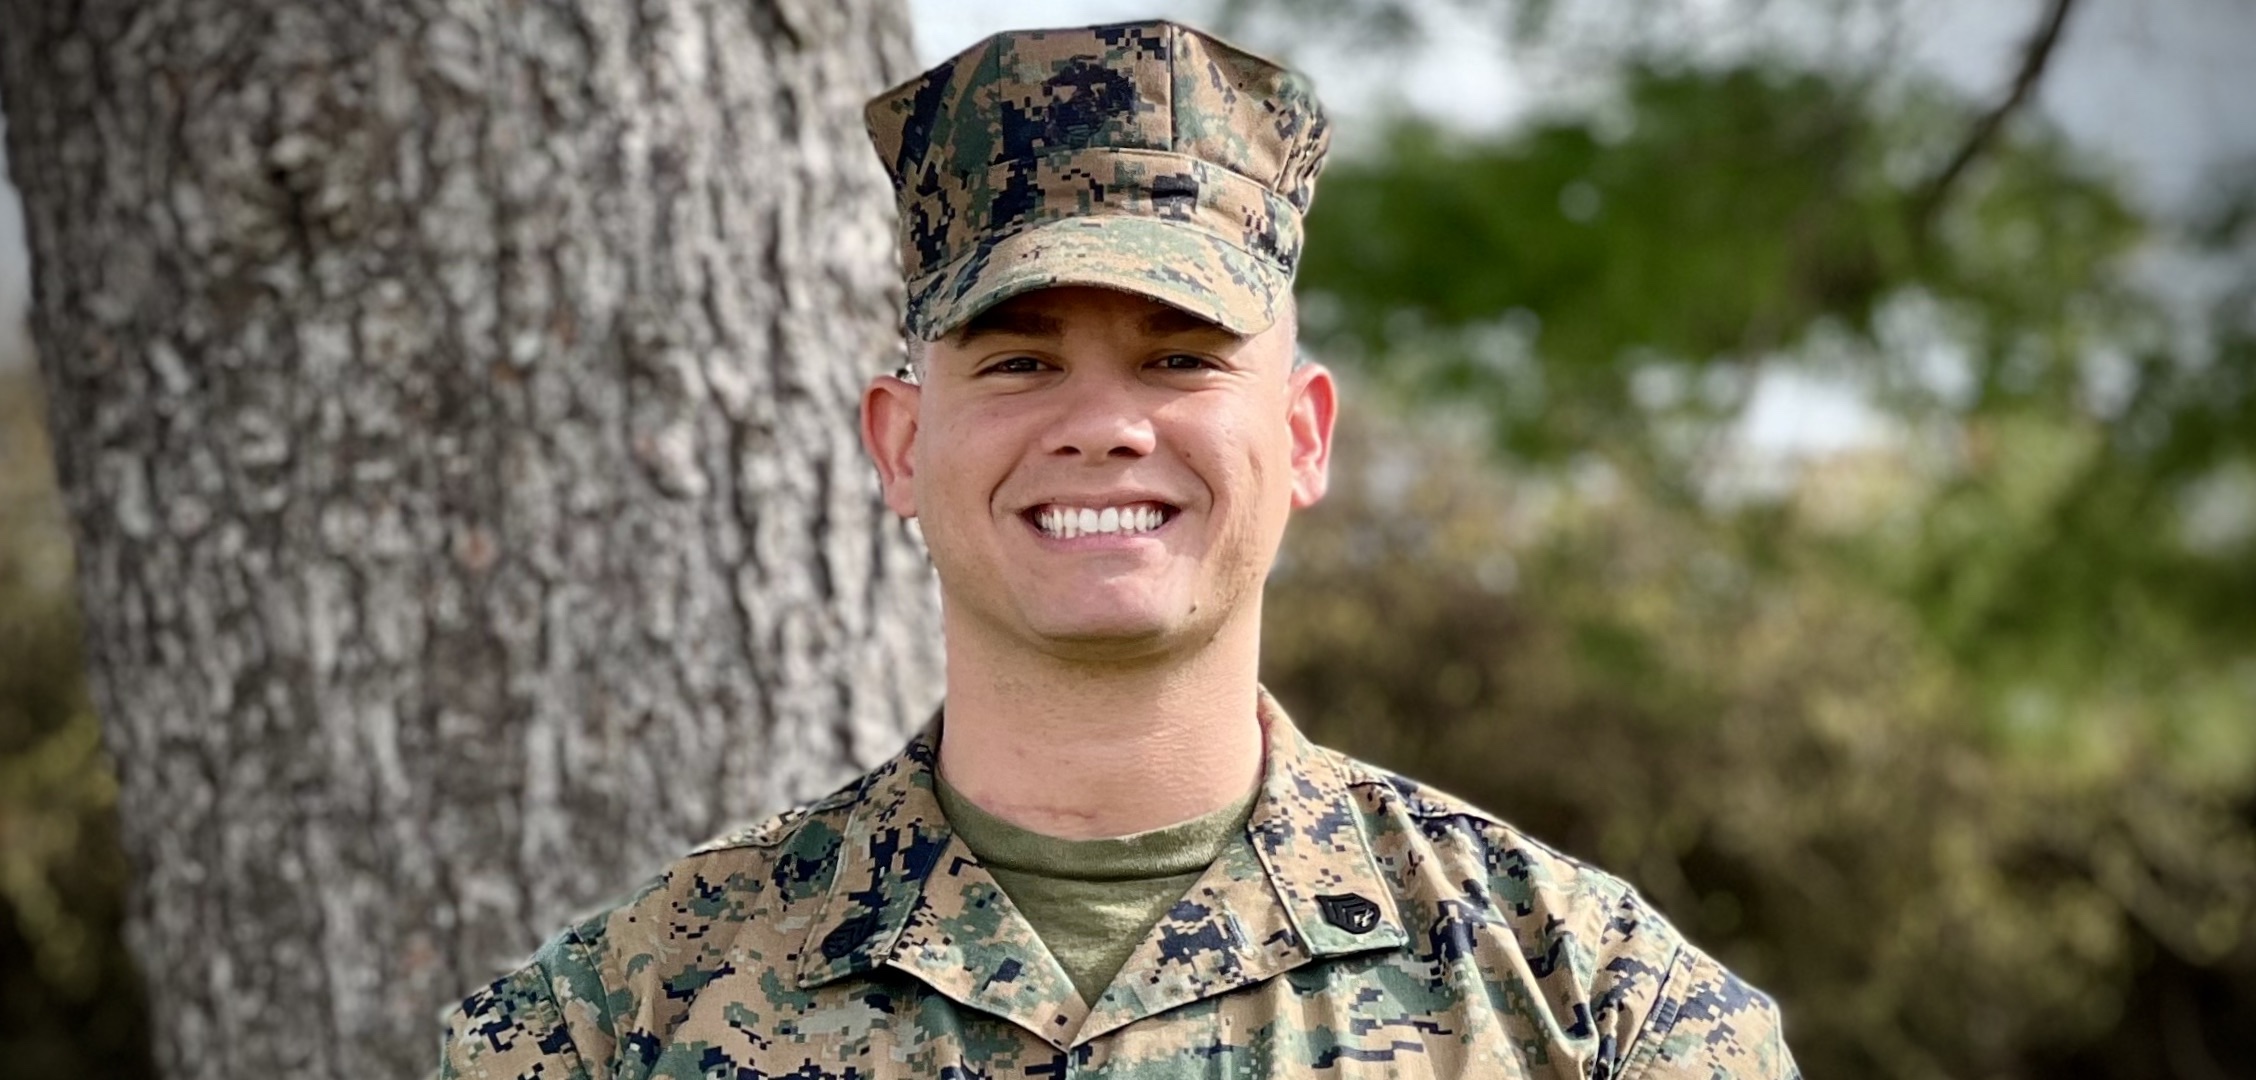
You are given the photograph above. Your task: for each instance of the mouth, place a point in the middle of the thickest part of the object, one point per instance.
(1063, 521)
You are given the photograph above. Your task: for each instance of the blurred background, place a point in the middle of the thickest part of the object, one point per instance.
(1800, 455)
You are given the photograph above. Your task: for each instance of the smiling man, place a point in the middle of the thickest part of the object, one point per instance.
(1111, 855)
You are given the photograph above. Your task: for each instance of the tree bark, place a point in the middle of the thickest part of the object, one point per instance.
(453, 401)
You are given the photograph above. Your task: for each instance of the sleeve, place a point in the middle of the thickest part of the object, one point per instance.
(518, 1029)
(1706, 1024)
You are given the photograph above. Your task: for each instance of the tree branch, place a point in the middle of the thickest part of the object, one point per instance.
(1984, 132)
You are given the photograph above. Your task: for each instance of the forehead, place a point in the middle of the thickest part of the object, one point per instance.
(1055, 312)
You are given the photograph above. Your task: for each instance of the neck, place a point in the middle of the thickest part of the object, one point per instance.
(1081, 751)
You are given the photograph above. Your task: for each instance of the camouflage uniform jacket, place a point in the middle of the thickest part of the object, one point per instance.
(1371, 928)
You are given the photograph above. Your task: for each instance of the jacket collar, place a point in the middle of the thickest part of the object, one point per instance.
(907, 893)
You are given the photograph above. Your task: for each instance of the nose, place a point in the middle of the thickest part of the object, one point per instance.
(1101, 416)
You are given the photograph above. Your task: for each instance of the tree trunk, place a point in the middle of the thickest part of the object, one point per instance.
(453, 401)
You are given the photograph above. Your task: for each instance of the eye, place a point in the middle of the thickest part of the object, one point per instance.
(1184, 362)
(1013, 365)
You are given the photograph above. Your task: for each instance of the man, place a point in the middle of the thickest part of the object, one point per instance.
(1111, 855)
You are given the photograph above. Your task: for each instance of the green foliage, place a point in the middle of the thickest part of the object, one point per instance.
(1676, 231)
(1721, 218)
(1615, 294)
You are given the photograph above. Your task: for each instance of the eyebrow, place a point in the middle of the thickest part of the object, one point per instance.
(1006, 322)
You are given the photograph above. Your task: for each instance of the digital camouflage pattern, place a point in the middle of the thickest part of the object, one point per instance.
(1146, 157)
(1369, 928)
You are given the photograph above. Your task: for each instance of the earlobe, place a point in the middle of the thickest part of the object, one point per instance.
(889, 431)
(1315, 404)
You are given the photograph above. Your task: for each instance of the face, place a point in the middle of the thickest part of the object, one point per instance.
(1100, 476)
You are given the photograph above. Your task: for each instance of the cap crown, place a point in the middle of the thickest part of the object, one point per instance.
(1151, 120)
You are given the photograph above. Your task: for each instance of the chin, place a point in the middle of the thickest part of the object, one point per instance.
(1113, 628)
(1114, 637)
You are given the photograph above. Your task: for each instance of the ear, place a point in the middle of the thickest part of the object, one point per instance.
(889, 431)
(1314, 404)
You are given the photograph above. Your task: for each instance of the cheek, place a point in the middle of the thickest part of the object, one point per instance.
(1245, 465)
(960, 462)
(1263, 448)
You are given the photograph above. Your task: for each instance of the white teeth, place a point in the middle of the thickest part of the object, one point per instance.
(1066, 522)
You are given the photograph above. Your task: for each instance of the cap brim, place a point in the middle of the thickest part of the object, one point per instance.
(1174, 263)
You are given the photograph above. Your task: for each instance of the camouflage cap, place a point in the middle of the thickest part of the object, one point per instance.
(1146, 157)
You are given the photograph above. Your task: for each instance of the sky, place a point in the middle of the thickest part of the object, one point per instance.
(2158, 87)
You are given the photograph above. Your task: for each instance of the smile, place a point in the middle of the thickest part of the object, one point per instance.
(1067, 522)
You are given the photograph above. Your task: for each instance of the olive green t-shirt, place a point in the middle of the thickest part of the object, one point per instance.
(1092, 901)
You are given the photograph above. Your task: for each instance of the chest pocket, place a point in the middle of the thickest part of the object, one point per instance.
(873, 1028)
(1385, 1015)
